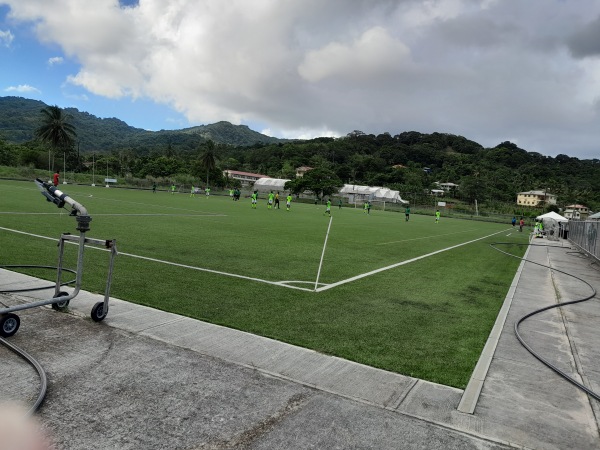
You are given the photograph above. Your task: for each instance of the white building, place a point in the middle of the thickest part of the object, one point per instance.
(246, 178)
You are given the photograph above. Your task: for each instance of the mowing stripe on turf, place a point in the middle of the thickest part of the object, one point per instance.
(125, 214)
(393, 266)
(185, 266)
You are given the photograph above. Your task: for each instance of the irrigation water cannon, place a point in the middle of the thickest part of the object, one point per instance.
(59, 198)
(9, 322)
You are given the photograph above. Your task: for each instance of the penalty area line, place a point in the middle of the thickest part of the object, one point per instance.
(185, 266)
(393, 266)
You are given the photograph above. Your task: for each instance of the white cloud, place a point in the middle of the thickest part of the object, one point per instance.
(6, 38)
(23, 89)
(480, 68)
(55, 60)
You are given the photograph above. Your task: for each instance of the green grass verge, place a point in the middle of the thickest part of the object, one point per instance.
(428, 319)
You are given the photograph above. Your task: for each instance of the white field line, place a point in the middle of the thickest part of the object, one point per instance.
(426, 237)
(408, 261)
(185, 266)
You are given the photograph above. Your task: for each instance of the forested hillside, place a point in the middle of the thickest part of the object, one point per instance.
(409, 161)
(19, 117)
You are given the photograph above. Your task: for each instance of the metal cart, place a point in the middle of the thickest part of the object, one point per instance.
(10, 322)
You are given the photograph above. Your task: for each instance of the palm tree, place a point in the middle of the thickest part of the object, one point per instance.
(56, 129)
(208, 159)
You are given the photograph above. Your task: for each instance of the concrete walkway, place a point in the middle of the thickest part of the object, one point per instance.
(301, 398)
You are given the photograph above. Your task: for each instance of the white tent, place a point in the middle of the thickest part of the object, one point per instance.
(356, 193)
(552, 215)
(270, 184)
(595, 216)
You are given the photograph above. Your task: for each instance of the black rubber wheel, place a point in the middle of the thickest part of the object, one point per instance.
(9, 324)
(61, 306)
(98, 313)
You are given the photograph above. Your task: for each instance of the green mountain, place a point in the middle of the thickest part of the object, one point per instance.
(19, 117)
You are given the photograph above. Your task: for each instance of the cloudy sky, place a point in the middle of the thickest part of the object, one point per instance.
(527, 71)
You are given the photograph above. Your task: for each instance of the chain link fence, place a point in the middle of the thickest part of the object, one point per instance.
(585, 234)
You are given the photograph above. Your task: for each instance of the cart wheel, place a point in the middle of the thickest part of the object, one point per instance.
(61, 306)
(9, 324)
(98, 313)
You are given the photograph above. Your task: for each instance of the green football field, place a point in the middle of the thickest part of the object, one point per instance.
(416, 297)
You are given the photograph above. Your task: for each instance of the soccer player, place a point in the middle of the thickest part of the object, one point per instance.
(193, 191)
(369, 208)
(55, 178)
(328, 207)
(207, 191)
(277, 200)
(231, 194)
(437, 216)
(340, 203)
(173, 188)
(254, 197)
(270, 201)
(288, 202)
(407, 213)
(365, 206)
(154, 187)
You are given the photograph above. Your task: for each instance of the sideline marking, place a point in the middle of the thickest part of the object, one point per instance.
(185, 266)
(393, 266)
(426, 237)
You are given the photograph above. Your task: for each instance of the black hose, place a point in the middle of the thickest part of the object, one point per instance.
(40, 371)
(35, 267)
(537, 311)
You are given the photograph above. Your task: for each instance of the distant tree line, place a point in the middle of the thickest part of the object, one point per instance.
(410, 162)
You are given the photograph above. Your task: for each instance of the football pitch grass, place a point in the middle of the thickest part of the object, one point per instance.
(417, 298)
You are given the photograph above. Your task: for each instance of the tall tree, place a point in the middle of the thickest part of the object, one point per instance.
(208, 159)
(56, 129)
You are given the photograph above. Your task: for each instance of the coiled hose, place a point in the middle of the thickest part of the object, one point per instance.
(537, 311)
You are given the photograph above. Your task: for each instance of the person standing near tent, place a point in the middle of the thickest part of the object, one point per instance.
(328, 207)
(521, 224)
(369, 208)
(254, 197)
(407, 213)
(288, 202)
(365, 206)
(514, 221)
(55, 178)
(437, 216)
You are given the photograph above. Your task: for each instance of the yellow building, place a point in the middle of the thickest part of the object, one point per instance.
(535, 198)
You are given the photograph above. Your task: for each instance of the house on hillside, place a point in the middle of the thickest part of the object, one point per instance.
(300, 171)
(246, 178)
(447, 187)
(576, 212)
(535, 198)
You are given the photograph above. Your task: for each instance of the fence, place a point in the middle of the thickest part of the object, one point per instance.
(585, 234)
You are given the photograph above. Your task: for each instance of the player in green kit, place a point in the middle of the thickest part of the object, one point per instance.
(254, 197)
(328, 208)
(288, 202)
(193, 191)
(407, 213)
(173, 188)
(437, 216)
(270, 201)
